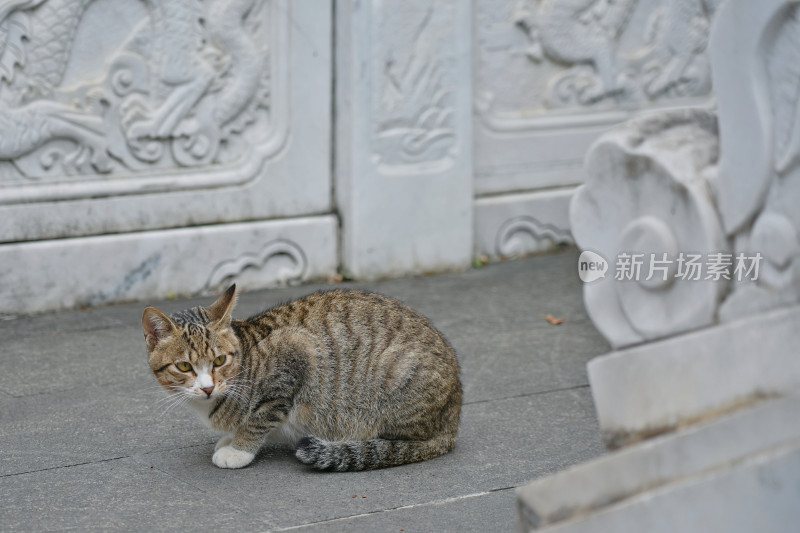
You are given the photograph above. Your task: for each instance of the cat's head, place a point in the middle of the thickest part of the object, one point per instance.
(194, 352)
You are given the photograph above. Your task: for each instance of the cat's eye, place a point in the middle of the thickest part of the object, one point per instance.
(183, 366)
(219, 361)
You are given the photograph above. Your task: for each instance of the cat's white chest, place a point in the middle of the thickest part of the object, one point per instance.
(202, 409)
(289, 432)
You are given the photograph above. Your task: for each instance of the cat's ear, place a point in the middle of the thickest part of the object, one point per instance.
(219, 313)
(156, 326)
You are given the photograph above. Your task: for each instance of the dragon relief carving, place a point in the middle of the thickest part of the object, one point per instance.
(186, 79)
(585, 35)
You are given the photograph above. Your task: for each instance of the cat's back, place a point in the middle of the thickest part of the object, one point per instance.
(355, 320)
(371, 366)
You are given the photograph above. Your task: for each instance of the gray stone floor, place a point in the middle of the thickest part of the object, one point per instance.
(85, 446)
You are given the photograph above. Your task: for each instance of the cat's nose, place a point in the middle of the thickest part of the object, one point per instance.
(208, 390)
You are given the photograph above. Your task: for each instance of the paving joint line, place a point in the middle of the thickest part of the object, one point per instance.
(66, 466)
(399, 508)
(527, 394)
(99, 461)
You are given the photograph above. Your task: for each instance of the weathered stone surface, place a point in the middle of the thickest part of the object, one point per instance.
(403, 142)
(647, 194)
(658, 386)
(104, 269)
(758, 183)
(724, 395)
(518, 224)
(671, 185)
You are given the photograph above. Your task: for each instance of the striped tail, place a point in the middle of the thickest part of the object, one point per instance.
(369, 454)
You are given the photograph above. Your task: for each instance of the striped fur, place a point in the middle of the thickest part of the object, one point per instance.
(353, 380)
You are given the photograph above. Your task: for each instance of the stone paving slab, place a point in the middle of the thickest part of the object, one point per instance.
(115, 495)
(77, 397)
(77, 359)
(501, 444)
(78, 426)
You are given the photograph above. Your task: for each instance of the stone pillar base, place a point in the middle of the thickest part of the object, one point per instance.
(657, 387)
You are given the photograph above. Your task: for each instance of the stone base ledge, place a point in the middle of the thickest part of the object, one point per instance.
(65, 273)
(654, 388)
(704, 478)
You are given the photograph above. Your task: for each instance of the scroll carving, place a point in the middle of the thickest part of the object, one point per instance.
(508, 236)
(642, 198)
(279, 262)
(760, 208)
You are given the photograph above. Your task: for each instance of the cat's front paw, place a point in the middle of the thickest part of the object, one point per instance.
(230, 457)
(224, 441)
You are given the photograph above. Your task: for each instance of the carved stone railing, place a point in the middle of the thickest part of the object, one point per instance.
(126, 124)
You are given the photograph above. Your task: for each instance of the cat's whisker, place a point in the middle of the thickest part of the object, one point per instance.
(168, 400)
(168, 392)
(172, 406)
(168, 403)
(175, 400)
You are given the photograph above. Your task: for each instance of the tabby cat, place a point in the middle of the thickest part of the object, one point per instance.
(350, 379)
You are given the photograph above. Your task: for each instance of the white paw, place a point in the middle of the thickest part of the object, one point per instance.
(230, 457)
(224, 441)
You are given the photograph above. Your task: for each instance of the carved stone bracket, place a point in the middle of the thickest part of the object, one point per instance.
(758, 183)
(640, 198)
